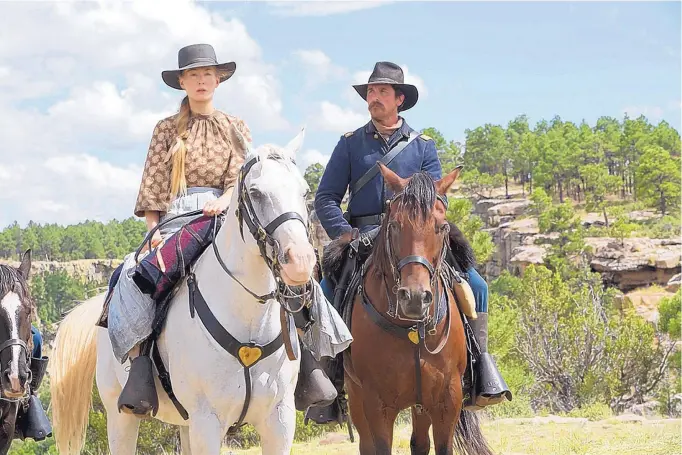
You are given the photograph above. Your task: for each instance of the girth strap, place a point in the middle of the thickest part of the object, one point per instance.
(164, 378)
(248, 354)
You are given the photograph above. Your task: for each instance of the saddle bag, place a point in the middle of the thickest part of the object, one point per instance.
(157, 273)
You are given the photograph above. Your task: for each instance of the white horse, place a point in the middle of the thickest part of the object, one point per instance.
(208, 381)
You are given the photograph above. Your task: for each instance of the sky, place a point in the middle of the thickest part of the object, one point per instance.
(81, 91)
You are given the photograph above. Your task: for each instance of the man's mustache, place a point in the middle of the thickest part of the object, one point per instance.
(375, 103)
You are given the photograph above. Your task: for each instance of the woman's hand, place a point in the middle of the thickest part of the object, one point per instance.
(217, 206)
(156, 241)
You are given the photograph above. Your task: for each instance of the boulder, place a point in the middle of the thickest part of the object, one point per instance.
(645, 302)
(513, 208)
(482, 206)
(526, 255)
(593, 219)
(674, 283)
(636, 262)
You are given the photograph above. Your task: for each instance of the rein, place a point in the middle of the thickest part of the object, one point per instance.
(264, 238)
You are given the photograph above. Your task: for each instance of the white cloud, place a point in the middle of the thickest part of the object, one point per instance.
(94, 86)
(322, 7)
(68, 189)
(311, 156)
(334, 118)
(319, 68)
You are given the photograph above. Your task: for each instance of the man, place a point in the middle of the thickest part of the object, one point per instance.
(356, 152)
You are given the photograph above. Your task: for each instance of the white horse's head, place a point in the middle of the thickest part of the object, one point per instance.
(272, 205)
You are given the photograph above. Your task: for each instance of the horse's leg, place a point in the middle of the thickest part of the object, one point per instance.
(205, 432)
(277, 430)
(122, 431)
(379, 423)
(5, 444)
(184, 441)
(7, 428)
(122, 428)
(420, 444)
(445, 418)
(357, 414)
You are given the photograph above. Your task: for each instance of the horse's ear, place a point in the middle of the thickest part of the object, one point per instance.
(393, 180)
(444, 184)
(25, 267)
(296, 143)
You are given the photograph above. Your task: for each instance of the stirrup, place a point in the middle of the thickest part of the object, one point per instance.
(314, 388)
(139, 397)
(490, 388)
(33, 423)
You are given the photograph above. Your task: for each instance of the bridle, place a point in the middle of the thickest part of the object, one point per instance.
(24, 347)
(434, 271)
(263, 235)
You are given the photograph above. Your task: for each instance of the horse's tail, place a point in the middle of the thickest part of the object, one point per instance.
(72, 373)
(468, 437)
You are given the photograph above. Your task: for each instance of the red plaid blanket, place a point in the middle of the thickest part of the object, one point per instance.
(158, 272)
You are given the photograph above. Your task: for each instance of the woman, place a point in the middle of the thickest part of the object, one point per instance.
(193, 163)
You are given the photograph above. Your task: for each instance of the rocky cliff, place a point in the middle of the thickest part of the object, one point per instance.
(89, 269)
(628, 265)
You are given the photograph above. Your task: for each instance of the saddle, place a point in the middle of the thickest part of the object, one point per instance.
(158, 273)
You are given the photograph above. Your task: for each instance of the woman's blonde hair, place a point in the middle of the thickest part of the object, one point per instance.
(178, 181)
(179, 152)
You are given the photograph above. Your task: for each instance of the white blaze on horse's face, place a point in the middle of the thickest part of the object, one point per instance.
(276, 186)
(15, 373)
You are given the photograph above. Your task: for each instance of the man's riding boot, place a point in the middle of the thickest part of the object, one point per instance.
(139, 397)
(33, 421)
(489, 384)
(314, 388)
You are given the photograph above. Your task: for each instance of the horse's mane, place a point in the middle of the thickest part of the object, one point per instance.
(415, 204)
(12, 281)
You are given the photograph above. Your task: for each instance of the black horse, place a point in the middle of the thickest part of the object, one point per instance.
(21, 413)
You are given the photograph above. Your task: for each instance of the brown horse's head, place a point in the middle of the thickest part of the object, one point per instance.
(413, 238)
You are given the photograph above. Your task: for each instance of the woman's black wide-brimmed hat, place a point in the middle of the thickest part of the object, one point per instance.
(197, 56)
(390, 73)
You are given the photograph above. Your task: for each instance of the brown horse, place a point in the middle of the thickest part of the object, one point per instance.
(408, 352)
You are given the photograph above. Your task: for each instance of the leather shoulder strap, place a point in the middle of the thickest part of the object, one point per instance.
(386, 159)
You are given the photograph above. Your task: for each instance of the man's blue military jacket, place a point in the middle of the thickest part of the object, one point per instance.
(355, 154)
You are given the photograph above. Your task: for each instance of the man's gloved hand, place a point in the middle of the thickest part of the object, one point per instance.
(347, 237)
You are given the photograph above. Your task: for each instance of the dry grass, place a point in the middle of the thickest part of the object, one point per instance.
(521, 437)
